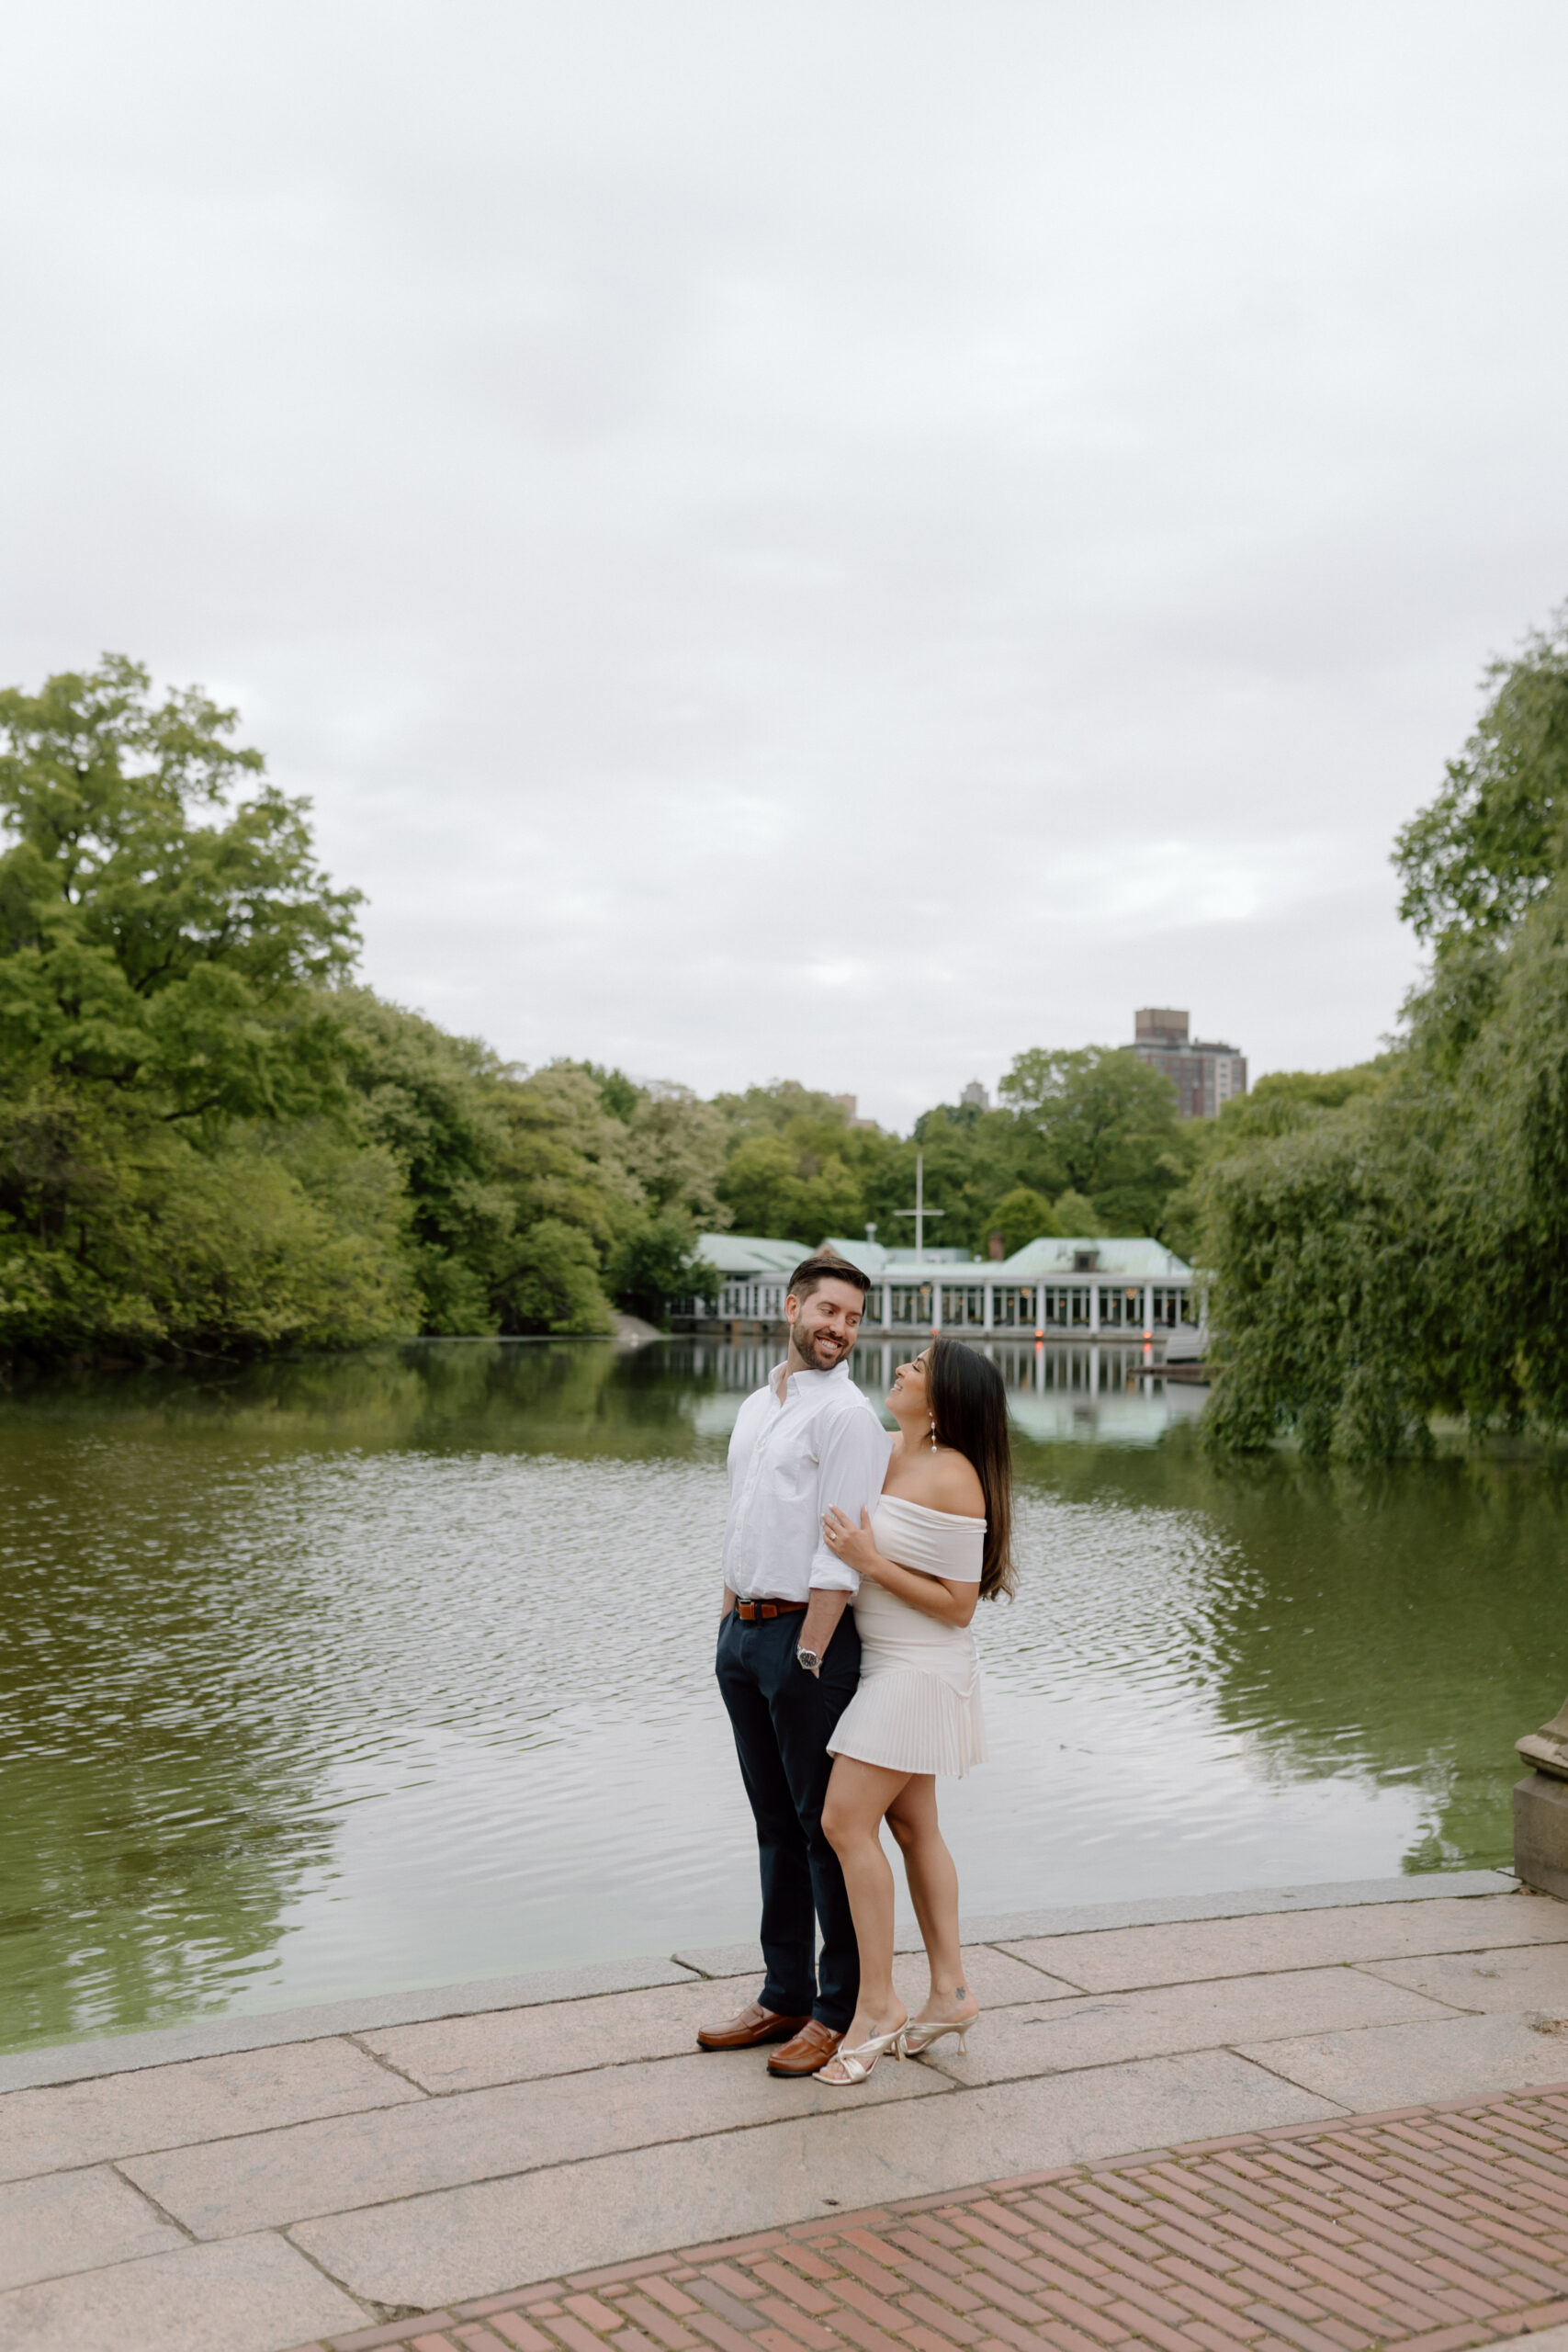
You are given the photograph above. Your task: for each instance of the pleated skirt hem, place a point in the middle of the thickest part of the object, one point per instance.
(910, 1722)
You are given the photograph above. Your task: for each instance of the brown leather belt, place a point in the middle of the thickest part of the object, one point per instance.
(748, 1612)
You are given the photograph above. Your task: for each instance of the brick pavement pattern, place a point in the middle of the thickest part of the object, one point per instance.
(1433, 2229)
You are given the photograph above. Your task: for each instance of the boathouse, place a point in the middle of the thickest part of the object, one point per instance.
(1128, 1287)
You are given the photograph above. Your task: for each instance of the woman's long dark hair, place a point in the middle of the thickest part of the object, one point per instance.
(969, 1405)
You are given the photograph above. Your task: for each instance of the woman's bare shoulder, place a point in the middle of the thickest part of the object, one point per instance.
(942, 1481)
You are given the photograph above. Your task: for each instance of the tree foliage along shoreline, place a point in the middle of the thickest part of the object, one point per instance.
(214, 1141)
(1402, 1252)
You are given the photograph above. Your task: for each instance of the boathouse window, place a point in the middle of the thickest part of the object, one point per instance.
(966, 1306)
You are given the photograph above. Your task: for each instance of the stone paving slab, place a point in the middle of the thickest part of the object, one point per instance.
(205, 2098)
(75, 2221)
(251, 2295)
(1435, 2230)
(473, 2240)
(1403, 2066)
(1534, 1976)
(1118, 1959)
(1036, 2038)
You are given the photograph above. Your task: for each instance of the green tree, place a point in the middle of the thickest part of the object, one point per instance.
(675, 1148)
(1109, 1123)
(1080, 1217)
(1497, 835)
(173, 1166)
(161, 915)
(972, 1158)
(782, 1186)
(432, 1102)
(1021, 1216)
(657, 1266)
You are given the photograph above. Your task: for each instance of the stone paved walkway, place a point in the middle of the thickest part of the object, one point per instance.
(249, 2184)
(1432, 2228)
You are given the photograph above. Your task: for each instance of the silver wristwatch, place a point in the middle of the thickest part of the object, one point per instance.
(808, 1659)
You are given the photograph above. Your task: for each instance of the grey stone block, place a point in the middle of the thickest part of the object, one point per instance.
(1540, 1832)
(205, 2098)
(75, 2221)
(251, 2295)
(1531, 1977)
(722, 1959)
(1117, 1960)
(1405, 2065)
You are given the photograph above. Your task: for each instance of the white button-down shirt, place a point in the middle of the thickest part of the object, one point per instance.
(797, 1447)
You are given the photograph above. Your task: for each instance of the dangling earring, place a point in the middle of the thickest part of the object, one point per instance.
(933, 1433)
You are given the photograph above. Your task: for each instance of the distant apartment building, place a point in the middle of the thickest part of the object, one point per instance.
(1204, 1073)
(975, 1097)
(849, 1105)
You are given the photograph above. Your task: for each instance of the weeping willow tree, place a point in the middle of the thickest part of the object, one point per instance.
(1403, 1252)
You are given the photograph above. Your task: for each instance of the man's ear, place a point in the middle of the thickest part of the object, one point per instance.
(792, 1308)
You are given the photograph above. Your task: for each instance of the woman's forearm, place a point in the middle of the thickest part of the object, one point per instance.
(928, 1594)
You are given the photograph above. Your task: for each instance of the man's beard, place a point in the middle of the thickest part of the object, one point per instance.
(833, 1351)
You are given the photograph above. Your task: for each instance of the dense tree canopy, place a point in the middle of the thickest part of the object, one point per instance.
(212, 1138)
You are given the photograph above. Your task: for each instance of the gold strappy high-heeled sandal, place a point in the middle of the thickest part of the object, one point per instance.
(919, 2037)
(858, 2063)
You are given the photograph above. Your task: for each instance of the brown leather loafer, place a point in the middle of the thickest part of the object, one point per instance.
(749, 2027)
(812, 2047)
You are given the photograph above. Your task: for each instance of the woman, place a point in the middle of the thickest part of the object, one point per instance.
(936, 1546)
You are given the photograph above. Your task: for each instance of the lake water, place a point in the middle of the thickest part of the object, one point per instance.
(341, 1676)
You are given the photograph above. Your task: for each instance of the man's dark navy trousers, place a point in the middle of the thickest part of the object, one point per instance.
(783, 1719)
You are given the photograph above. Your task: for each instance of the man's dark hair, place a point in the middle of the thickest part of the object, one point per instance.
(825, 1267)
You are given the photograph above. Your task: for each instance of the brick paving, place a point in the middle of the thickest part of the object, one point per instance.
(1433, 2229)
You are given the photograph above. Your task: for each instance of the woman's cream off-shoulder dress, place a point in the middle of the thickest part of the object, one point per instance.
(917, 1707)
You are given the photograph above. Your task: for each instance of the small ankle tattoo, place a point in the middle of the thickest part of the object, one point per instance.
(961, 1992)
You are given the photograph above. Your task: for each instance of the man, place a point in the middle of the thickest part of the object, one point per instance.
(789, 1657)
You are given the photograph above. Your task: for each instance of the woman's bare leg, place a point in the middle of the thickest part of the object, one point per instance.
(858, 1797)
(933, 1891)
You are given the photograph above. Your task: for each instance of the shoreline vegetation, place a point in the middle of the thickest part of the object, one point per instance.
(215, 1142)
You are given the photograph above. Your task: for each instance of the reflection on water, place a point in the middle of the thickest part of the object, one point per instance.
(328, 1676)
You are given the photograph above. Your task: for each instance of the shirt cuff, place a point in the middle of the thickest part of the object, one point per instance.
(829, 1575)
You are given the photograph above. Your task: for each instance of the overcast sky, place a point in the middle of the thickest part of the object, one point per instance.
(829, 541)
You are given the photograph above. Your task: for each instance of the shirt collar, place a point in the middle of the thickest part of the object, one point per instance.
(780, 1378)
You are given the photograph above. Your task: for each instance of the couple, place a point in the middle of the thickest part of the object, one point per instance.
(852, 1565)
